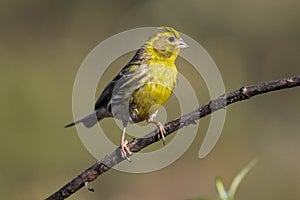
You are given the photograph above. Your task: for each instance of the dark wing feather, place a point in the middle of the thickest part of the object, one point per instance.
(105, 96)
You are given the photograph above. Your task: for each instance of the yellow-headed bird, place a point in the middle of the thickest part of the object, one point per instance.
(144, 84)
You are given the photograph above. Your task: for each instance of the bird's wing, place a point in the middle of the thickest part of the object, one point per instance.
(133, 70)
(136, 76)
(130, 78)
(105, 96)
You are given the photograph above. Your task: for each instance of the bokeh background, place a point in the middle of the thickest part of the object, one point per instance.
(42, 44)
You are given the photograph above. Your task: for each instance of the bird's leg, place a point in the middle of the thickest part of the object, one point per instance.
(160, 127)
(123, 145)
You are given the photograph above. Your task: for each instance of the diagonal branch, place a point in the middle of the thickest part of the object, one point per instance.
(138, 144)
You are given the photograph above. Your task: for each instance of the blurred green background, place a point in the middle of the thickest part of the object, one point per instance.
(42, 44)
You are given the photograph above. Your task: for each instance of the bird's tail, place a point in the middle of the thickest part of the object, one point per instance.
(88, 121)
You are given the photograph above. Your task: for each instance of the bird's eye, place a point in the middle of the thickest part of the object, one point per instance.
(171, 39)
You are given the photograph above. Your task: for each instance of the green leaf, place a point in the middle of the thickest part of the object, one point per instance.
(221, 189)
(236, 181)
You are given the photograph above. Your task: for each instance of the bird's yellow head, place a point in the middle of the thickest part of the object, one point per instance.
(165, 44)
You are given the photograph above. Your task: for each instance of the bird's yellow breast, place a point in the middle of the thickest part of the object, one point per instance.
(155, 92)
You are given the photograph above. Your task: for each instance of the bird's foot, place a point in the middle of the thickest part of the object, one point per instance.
(161, 128)
(125, 150)
(162, 131)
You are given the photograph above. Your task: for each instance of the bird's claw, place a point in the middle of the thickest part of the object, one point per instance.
(125, 150)
(161, 128)
(162, 131)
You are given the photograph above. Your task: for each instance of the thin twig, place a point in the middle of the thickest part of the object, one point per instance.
(138, 144)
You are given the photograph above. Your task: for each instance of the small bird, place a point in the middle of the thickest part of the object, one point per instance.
(142, 86)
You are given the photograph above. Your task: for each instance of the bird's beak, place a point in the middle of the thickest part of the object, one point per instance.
(181, 44)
